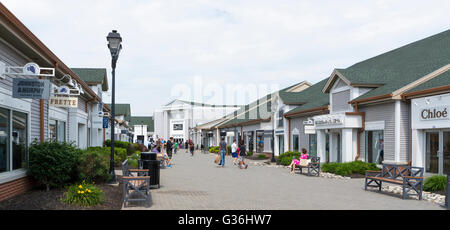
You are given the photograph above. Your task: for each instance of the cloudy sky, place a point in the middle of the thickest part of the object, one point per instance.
(178, 48)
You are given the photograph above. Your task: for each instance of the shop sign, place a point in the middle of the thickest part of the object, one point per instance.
(310, 129)
(435, 113)
(31, 88)
(105, 122)
(331, 120)
(65, 102)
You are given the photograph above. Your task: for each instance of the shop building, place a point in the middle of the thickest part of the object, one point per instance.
(23, 57)
(301, 129)
(143, 129)
(178, 118)
(430, 124)
(122, 129)
(285, 100)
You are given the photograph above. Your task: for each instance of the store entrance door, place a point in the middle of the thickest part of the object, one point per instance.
(438, 152)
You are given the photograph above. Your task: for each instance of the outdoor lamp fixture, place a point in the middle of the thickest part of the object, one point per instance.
(115, 46)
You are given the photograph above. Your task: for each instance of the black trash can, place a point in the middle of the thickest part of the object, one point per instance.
(149, 162)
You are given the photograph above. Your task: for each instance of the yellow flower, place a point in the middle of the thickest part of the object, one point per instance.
(80, 186)
(79, 192)
(82, 192)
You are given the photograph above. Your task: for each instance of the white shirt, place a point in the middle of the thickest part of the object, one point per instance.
(234, 148)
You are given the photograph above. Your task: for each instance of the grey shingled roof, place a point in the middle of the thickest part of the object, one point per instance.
(401, 66)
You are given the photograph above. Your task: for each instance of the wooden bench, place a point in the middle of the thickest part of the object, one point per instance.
(410, 178)
(138, 185)
(313, 167)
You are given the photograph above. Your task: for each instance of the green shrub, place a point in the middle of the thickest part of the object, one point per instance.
(346, 169)
(120, 155)
(435, 183)
(214, 149)
(93, 165)
(53, 164)
(133, 159)
(118, 144)
(249, 154)
(262, 156)
(286, 158)
(84, 194)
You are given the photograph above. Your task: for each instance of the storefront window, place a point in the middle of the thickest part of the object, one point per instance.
(52, 130)
(446, 154)
(19, 136)
(313, 144)
(61, 131)
(374, 146)
(14, 157)
(4, 140)
(57, 130)
(259, 142)
(295, 144)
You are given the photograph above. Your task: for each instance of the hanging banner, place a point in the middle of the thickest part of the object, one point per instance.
(105, 122)
(65, 102)
(31, 88)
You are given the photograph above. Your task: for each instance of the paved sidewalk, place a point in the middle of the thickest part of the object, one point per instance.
(196, 183)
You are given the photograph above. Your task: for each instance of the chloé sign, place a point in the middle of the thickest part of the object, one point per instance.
(436, 113)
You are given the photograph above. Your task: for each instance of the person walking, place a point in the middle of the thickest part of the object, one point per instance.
(191, 147)
(234, 152)
(242, 154)
(223, 152)
(175, 147)
(169, 147)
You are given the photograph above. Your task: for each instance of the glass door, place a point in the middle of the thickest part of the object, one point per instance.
(446, 152)
(280, 144)
(432, 152)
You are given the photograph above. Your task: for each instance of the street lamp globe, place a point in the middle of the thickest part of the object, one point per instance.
(114, 43)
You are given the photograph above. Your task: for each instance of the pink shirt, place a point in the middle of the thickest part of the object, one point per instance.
(304, 156)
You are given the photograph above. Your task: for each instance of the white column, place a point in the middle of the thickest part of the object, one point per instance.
(418, 148)
(333, 147)
(397, 130)
(347, 145)
(321, 145)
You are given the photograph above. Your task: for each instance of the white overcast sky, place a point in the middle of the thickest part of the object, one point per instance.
(170, 42)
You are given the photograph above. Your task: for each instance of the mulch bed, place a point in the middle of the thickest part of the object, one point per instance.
(39, 199)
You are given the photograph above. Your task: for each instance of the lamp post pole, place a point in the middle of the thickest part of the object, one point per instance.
(114, 46)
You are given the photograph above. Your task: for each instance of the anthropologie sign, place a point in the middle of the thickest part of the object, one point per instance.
(31, 88)
(435, 113)
(66, 102)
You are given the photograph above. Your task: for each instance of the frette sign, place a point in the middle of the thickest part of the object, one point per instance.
(65, 102)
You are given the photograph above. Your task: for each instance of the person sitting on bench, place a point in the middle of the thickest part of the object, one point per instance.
(303, 158)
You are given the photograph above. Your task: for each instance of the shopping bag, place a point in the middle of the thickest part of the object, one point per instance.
(217, 159)
(304, 162)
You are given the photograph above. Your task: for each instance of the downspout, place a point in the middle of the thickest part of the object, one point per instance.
(42, 114)
(289, 133)
(360, 131)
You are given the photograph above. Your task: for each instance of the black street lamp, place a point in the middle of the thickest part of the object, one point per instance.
(114, 45)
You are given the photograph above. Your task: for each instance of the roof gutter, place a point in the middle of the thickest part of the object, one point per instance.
(296, 114)
(426, 92)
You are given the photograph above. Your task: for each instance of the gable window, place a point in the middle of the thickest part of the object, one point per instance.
(280, 118)
(340, 101)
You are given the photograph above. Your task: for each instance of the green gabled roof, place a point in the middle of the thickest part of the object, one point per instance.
(123, 109)
(257, 113)
(401, 66)
(441, 80)
(290, 98)
(313, 97)
(143, 121)
(93, 75)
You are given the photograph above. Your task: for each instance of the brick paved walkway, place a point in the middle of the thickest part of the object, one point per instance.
(196, 183)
